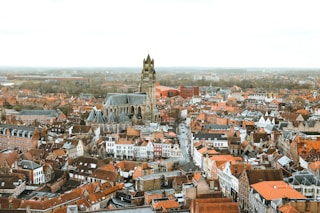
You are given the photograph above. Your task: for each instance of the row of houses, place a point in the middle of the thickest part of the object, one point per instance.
(122, 148)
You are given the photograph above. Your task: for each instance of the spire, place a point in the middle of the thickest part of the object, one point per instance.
(148, 60)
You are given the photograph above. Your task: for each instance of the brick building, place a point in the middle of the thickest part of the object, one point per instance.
(188, 91)
(41, 116)
(252, 176)
(19, 137)
(163, 91)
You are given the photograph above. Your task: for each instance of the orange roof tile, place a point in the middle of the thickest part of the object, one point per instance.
(225, 158)
(137, 173)
(272, 190)
(59, 152)
(9, 157)
(197, 144)
(131, 131)
(219, 205)
(202, 150)
(218, 208)
(124, 141)
(197, 176)
(288, 209)
(166, 204)
(172, 134)
(158, 135)
(314, 165)
(108, 167)
(63, 209)
(212, 152)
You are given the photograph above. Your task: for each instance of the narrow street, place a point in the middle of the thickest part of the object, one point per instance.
(184, 140)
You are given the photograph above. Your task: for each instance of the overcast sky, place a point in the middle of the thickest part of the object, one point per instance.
(205, 33)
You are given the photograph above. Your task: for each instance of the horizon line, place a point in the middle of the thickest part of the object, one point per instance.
(181, 67)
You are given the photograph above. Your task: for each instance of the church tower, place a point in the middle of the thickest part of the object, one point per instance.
(148, 84)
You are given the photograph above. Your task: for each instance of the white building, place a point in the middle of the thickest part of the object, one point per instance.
(124, 149)
(198, 155)
(74, 148)
(37, 175)
(110, 144)
(166, 149)
(176, 151)
(211, 140)
(268, 196)
(228, 182)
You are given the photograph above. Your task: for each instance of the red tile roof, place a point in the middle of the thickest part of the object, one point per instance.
(124, 141)
(166, 204)
(219, 205)
(272, 190)
(197, 176)
(75, 194)
(288, 209)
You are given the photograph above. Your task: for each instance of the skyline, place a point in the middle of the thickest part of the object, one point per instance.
(176, 33)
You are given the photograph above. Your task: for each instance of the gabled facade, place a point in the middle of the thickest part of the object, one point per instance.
(8, 160)
(74, 147)
(176, 151)
(110, 144)
(124, 149)
(252, 176)
(268, 196)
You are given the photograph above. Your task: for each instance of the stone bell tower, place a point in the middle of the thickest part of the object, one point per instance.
(148, 84)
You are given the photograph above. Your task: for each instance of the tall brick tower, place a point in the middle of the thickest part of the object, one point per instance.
(148, 85)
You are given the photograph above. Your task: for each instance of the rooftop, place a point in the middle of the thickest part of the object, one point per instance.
(272, 190)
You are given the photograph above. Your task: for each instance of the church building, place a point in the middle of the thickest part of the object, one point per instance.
(123, 109)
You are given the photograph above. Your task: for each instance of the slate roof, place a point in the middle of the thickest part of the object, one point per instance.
(283, 124)
(303, 178)
(27, 164)
(189, 167)
(23, 130)
(206, 136)
(96, 116)
(284, 160)
(216, 126)
(114, 99)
